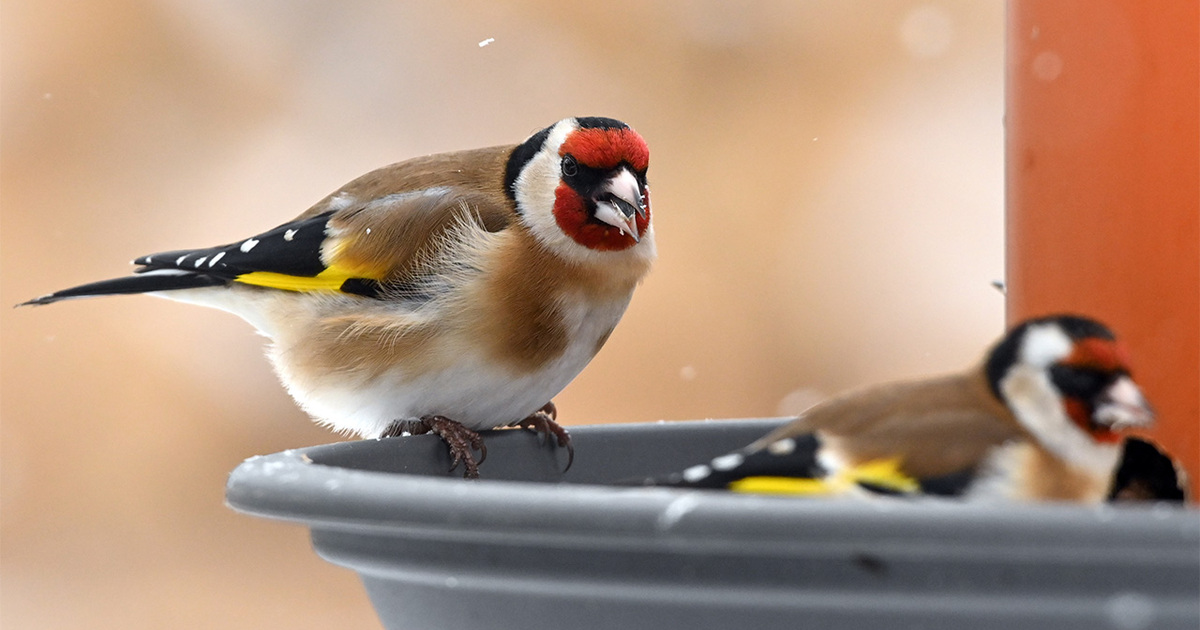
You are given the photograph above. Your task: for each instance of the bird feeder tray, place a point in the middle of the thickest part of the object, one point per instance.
(529, 546)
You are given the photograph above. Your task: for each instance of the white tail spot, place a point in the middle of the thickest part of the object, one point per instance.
(728, 462)
(786, 446)
(696, 473)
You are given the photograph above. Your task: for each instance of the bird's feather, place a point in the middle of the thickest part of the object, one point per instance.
(936, 427)
(163, 280)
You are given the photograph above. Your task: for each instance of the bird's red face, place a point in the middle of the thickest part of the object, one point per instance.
(602, 201)
(1099, 395)
(579, 186)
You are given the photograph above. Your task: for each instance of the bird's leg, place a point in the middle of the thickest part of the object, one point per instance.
(404, 428)
(461, 440)
(543, 423)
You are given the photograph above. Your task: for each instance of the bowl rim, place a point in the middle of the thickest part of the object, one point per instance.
(292, 486)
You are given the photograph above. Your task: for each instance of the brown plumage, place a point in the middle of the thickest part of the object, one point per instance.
(935, 427)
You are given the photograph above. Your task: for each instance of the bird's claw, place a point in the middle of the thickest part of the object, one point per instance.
(461, 441)
(543, 422)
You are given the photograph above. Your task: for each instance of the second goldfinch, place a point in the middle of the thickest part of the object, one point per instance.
(1040, 418)
(449, 293)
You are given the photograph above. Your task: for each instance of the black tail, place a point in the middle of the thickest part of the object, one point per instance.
(799, 461)
(157, 280)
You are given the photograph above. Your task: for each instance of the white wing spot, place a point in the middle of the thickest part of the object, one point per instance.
(728, 462)
(179, 261)
(214, 260)
(248, 245)
(696, 473)
(782, 447)
(368, 230)
(289, 235)
(200, 261)
(167, 272)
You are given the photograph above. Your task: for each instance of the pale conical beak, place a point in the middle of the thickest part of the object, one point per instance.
(620, 201)
(1123, 405)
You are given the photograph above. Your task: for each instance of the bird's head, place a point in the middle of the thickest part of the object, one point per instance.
(1072, 367)
(580, 187)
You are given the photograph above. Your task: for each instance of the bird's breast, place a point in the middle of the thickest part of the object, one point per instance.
(535, 333)
(530, 309)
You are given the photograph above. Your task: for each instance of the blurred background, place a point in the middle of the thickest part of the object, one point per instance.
(827, 176)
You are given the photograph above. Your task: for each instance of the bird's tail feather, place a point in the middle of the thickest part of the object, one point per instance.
(721, 472)
(149, 281)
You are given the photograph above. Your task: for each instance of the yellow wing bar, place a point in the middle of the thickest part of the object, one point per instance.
(331, 279)
(883, 473)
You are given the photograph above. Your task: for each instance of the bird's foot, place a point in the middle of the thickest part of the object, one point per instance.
(543, 423)
(461, 440)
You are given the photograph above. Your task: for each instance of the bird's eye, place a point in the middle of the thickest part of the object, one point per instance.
(1080, 383)
(570, 167)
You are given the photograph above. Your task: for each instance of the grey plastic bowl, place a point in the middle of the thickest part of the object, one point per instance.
(529, 547)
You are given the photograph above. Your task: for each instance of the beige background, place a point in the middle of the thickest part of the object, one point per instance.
(827, 184)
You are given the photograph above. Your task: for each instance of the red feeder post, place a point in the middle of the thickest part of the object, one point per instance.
(1103, 186)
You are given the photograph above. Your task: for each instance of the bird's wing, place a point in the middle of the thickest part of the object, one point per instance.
(924, 436)
(371, 248)
(933, 427)
(376, 236)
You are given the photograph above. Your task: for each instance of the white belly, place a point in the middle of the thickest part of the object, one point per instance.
(472, 390)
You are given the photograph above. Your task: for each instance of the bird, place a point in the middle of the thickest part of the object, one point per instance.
(1040, 418)
(450, 293)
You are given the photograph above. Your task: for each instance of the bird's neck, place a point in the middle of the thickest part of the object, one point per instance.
(1042, 475)
(606, 276)
(1039, 409)
(1024, 470)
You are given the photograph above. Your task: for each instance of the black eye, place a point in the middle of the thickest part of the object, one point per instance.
(570, 167)
(1080, 383)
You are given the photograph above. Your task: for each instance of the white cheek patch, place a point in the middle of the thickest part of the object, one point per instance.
(1044, 345)
(535, 187)
(1038, 406)
(1035, 402)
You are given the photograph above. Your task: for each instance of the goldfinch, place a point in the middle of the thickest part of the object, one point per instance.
(1038, 419)
(448, 293)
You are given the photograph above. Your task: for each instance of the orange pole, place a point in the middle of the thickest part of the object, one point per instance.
(1103, 186)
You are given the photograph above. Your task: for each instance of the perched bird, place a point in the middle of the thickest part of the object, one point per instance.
(449, 293)
(1038, 419)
